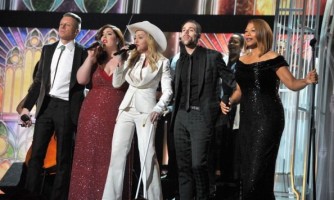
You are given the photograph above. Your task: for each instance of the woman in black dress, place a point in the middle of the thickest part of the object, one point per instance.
(258, 75)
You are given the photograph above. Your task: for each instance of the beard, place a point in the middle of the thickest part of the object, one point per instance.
(189, 43)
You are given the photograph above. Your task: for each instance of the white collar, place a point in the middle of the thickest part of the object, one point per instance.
(70, 46)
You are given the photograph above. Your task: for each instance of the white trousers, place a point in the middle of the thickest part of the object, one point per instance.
(127, 122)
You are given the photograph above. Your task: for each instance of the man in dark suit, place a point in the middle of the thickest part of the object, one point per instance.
(59, 98)
(196, 109)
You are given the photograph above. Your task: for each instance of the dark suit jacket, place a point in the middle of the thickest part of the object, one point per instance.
(212, 66)
(41, 84)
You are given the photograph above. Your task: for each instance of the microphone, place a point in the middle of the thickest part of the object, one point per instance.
(95, 44)
(226, 101)
(312, 42)
(25, 118)
(131, 46)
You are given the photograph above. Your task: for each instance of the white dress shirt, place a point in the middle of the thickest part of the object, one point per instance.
(61, 85)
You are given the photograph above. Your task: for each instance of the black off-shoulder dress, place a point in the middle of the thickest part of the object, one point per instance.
(261, 126)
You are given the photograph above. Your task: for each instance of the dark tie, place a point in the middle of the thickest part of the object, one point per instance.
(188, 83)
(62, 48)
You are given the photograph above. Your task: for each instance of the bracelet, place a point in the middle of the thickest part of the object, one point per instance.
(230, 102)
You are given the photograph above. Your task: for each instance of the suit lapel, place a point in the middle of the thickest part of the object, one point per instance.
(151, 75)
(49, 54)
(202, 68)
(178, 70)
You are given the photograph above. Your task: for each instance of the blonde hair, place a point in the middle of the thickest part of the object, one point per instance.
(264, 35)
(75, 17)
(153, 54)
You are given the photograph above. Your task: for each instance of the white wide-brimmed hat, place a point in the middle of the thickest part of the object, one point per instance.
(151, 29)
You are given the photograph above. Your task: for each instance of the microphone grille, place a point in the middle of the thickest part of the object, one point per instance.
(25, 118)
(132, 46)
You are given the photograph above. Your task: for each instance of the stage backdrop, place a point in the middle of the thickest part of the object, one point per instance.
(20, 46)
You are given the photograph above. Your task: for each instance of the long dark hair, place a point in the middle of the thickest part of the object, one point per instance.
(102, 54)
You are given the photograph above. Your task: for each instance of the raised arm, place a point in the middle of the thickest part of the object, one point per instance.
(296, 84)
(85, 70)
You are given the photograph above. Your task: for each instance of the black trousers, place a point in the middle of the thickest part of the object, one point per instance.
(192, 140)
(55, 118)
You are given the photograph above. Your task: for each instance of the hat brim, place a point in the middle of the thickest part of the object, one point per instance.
(151, 29)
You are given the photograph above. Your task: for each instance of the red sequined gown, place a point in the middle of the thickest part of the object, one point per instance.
(93, 140)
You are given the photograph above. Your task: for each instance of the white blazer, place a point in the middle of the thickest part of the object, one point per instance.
(142, 90)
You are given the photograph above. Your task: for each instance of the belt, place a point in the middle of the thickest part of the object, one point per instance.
(195, 108)
(54, 99)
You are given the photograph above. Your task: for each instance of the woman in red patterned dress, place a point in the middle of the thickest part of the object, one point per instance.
(97, 118)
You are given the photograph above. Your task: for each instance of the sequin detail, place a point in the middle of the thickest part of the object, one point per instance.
(261, 126)
(93, 140)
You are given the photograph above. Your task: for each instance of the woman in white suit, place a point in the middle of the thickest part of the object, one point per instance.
(139, 110)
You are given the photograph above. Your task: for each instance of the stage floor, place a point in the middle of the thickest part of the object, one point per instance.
(224, 191)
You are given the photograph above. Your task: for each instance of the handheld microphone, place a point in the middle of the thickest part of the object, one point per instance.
(25, 118)
(312, 42)
(95, 44)
(226, 100)
(131, 46)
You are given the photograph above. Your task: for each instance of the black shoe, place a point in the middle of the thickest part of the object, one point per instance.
(174, 198)
(140, 198)
(212, 196)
